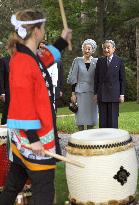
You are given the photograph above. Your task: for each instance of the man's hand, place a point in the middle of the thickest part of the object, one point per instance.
(38, 148)
(61, 93)
(121, 98)
(2, 98)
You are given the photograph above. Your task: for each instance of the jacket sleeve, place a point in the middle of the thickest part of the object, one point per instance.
(60, 75)
(122, 78)
(96, 78)
(29, 100)
(51, 54)
(73, 73)
(2, 77)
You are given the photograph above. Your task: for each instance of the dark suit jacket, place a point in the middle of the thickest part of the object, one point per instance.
(109, 80)
(4, 86)
(1, 78)
(4, 75)
(60, 82)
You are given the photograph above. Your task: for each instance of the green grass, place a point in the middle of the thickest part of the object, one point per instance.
(128, 118)
(61, 184)
(64, 111)
(66, 124)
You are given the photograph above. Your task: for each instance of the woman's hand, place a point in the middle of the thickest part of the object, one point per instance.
(37, 148)
(95, 98)
(67, 34)
(73, 98)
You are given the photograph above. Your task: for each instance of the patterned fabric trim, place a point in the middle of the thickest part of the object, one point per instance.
(44, 139)
(100, 151)
(24, 124)
(126, 201)
(29, 165)
(55, 52)
(15, 136)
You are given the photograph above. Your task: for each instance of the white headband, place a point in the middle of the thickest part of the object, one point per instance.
(22, 32)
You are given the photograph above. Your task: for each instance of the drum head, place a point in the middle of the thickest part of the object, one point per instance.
(99, 136)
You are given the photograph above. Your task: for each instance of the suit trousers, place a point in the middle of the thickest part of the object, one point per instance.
(108, 114)
(5, 110)
(42, 185)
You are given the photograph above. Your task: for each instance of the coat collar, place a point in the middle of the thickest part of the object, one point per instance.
(24, 49)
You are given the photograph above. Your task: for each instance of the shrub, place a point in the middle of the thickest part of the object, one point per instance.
(130, 85)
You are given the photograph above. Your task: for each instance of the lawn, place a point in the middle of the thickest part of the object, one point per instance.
(128, 118)
(61, 184)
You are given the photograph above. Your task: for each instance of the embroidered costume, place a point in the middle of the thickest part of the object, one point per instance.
(31, 105)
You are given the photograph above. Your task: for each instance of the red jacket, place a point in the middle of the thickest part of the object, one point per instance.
(29, 99)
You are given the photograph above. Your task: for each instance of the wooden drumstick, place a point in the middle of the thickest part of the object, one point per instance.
(64, 20)
(60, 157)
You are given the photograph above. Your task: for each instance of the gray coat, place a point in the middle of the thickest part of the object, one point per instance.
(79, 74)
(87, 109)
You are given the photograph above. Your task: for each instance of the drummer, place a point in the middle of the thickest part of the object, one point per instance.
(30, 116)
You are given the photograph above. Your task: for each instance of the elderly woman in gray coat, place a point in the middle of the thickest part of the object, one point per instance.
(81, 77)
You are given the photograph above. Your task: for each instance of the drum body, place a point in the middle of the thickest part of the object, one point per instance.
(110, 173)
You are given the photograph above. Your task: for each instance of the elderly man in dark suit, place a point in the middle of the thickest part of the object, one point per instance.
(109, 86)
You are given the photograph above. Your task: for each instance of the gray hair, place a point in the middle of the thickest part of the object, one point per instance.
(109, 41)
(90, 42)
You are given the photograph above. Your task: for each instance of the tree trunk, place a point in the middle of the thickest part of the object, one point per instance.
(84, 16)
(137, 53)
(20, 2)
(84, 20)
(100, 24)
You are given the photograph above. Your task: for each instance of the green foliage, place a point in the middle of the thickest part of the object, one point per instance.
(116, 16)
(131, 84)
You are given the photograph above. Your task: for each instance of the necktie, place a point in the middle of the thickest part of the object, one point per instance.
(108, 61)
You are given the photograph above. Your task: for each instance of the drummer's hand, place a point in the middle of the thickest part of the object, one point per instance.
(37, 148)
(73, 98)
(67, 34)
